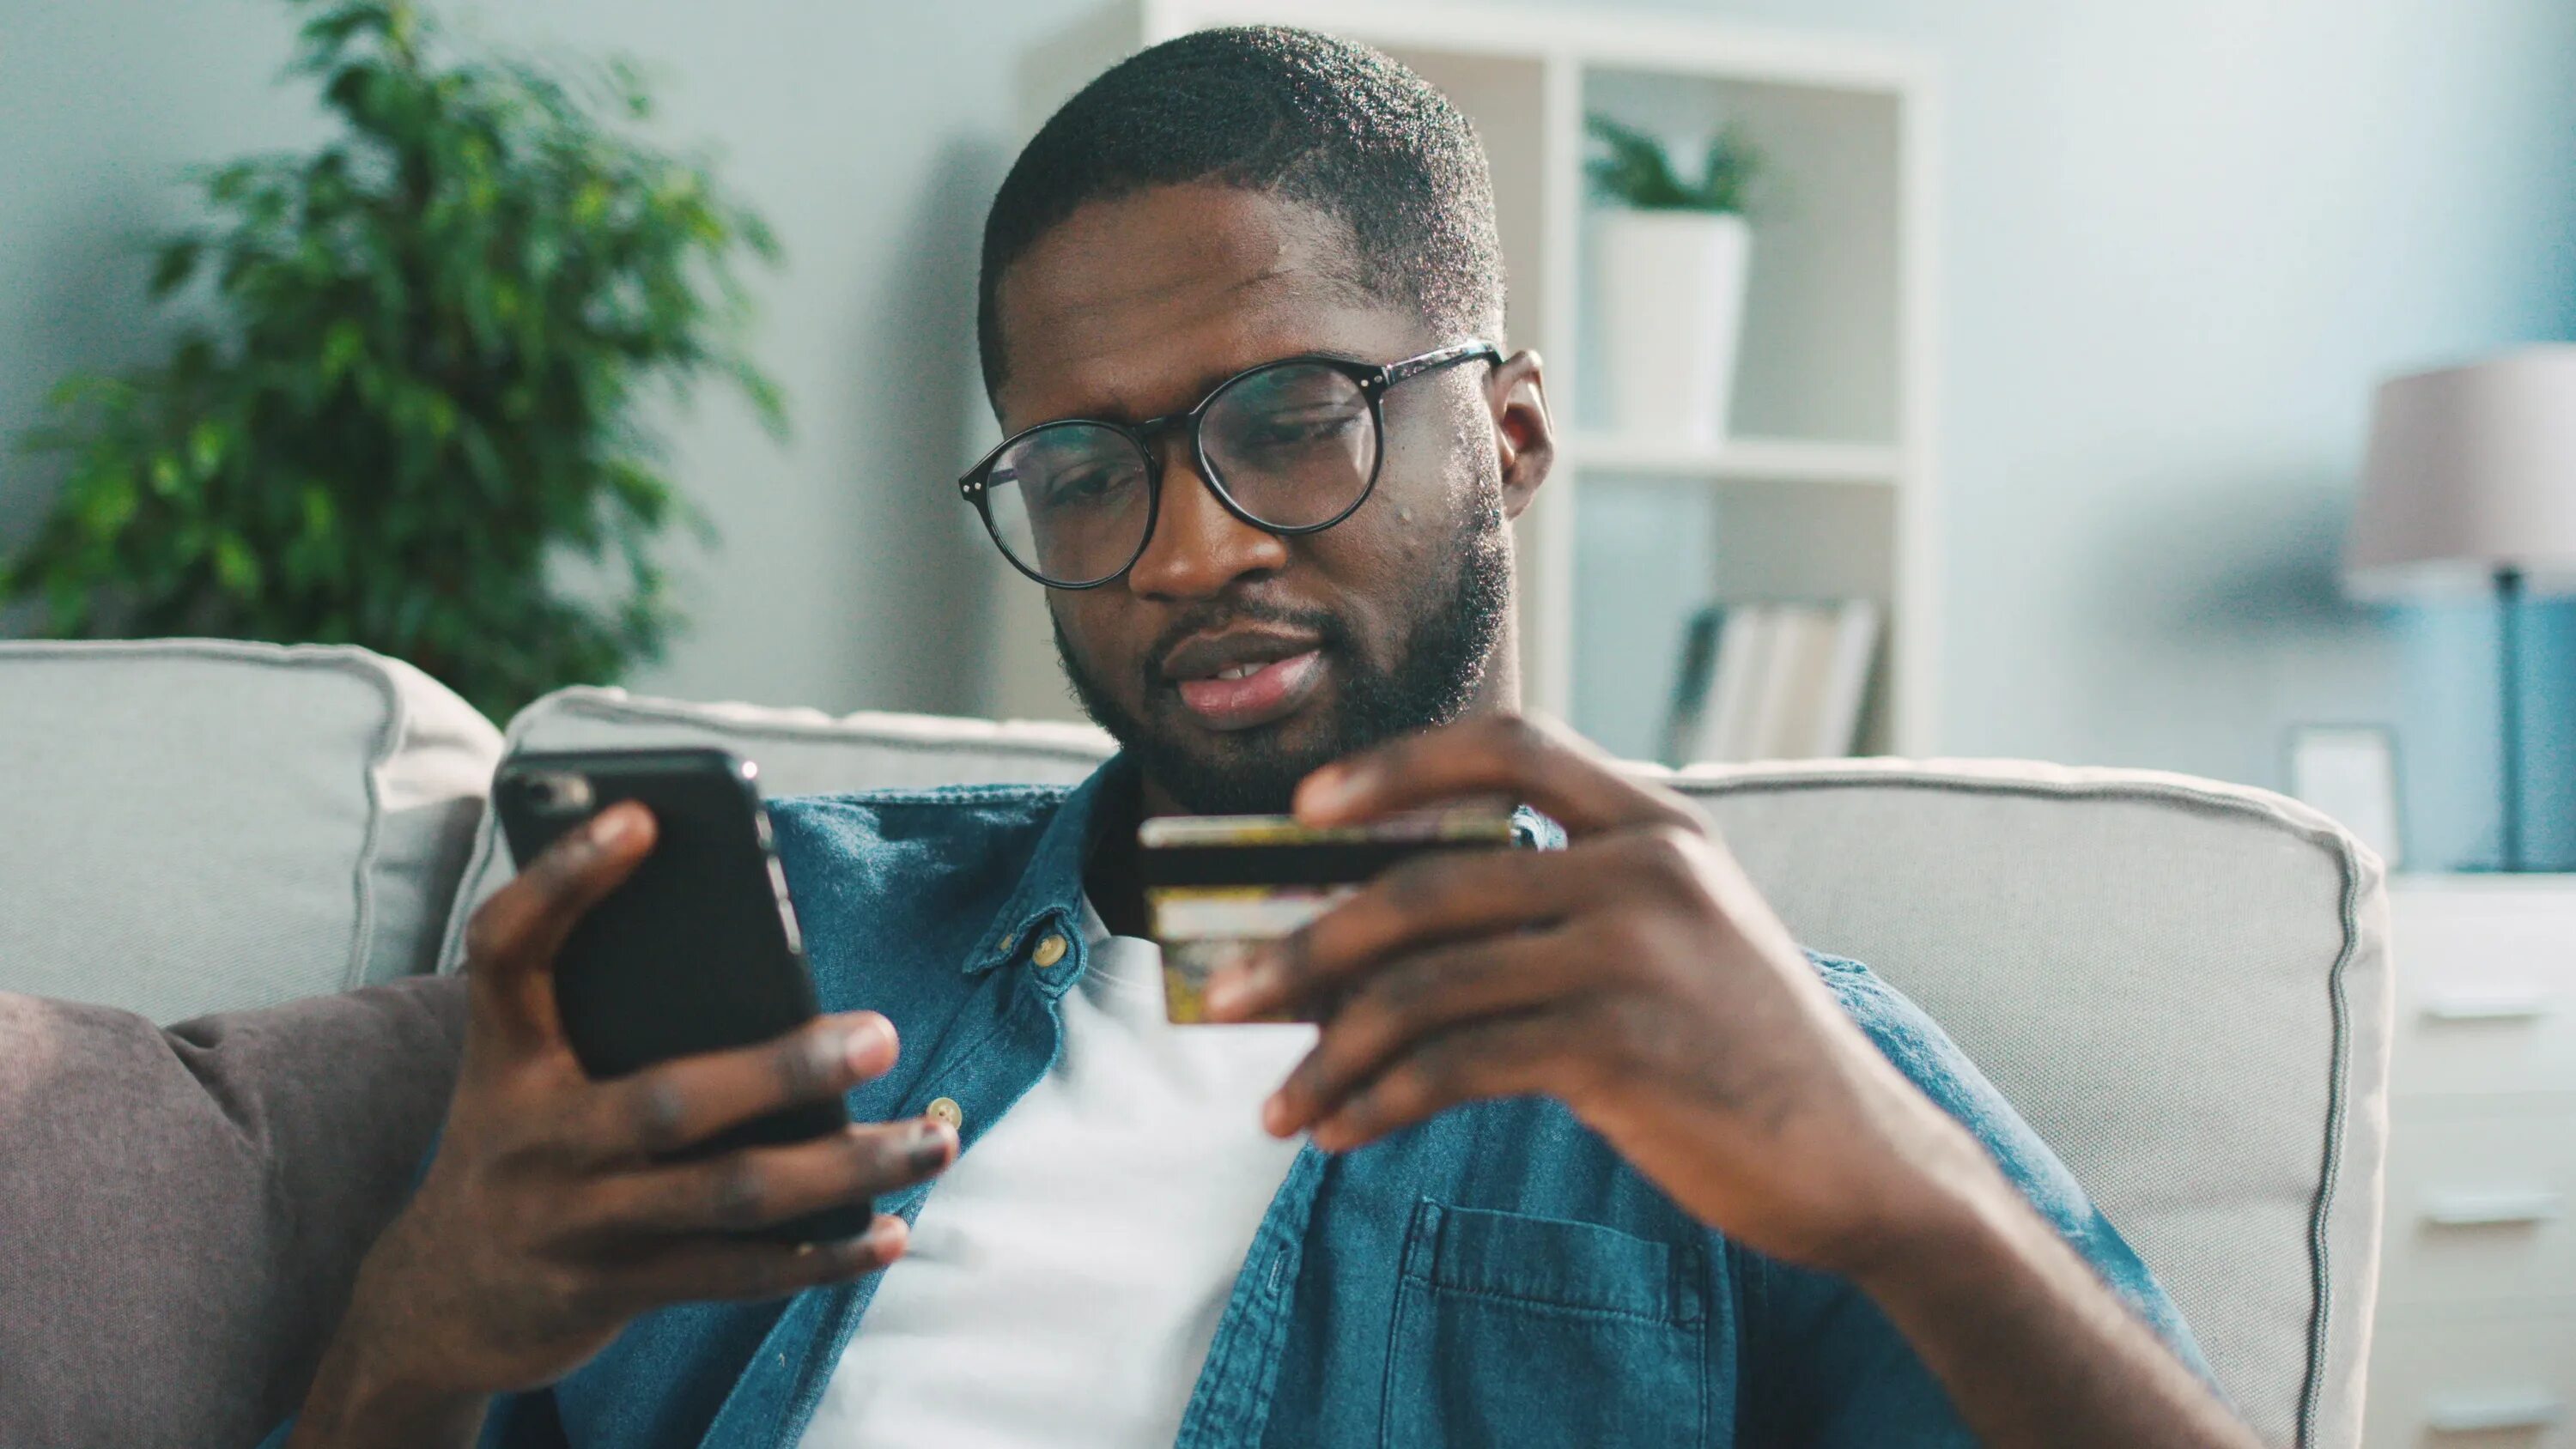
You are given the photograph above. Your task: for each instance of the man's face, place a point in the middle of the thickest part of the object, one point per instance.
(1229, 660)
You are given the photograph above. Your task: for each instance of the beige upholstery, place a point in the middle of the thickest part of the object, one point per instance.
(2183, 986)
(189, 825)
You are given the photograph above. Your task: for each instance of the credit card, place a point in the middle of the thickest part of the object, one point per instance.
(1216, 886)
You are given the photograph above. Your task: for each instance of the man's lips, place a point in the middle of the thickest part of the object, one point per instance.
(1206, 655)
(1273, 689)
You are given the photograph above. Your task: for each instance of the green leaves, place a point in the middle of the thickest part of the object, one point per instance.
(175, 263)
(206, 443)
(344, 345)
(431, 340)
(1634, 171)
(236, 568)
(107, 504)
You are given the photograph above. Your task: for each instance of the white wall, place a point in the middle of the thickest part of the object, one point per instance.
(2182, 237)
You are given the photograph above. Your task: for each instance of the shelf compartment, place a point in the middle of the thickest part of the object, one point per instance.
(1785, 460)
(1647, 555)
(1821, 350)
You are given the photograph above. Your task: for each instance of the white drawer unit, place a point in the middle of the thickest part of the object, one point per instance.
(2481, 1202)
(2476, 1340)
(2486, 985)
(2495, 1379)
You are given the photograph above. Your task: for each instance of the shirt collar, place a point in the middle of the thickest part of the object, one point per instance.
(1049, 897)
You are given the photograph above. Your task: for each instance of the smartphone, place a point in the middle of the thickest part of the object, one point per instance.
(698, 950)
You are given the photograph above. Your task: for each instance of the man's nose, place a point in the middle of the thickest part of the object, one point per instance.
(1198, 547)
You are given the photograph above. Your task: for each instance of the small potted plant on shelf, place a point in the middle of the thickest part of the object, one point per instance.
(1668, 260)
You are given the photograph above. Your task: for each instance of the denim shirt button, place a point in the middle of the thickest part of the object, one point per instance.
(1050, 950)
(945, 1109)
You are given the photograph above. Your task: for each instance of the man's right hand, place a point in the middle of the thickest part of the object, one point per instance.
(551, 1214)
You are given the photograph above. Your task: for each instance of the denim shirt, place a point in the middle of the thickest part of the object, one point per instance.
(1494, 1275)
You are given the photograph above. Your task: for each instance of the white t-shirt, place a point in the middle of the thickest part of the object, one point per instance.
(1066, 1276)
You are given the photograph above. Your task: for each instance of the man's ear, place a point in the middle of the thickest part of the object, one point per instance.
(1524, 438)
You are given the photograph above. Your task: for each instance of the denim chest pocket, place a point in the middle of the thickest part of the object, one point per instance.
(1534, 1332)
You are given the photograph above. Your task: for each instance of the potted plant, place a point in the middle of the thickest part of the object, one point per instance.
(1668, 258)
(410, 379)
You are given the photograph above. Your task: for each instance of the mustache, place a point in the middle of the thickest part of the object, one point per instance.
(1331, 634)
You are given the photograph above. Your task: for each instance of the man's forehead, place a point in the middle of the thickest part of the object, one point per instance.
(1134, 306)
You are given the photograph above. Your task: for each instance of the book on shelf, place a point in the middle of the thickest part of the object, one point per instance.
(1718, 689)
(1854, 650)
(1763, 681)
(1685, 717)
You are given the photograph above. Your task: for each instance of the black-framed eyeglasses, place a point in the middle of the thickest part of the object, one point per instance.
(1290, 447)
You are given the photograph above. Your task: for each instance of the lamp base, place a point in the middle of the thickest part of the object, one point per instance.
(2508, 595)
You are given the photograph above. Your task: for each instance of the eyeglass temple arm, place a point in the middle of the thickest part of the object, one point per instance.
(1446, 356)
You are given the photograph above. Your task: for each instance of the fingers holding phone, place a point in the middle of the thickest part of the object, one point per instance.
(550, 1217)
(562, 1203)
(511, 940)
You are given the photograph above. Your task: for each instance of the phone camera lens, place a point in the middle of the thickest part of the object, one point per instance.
(558, 794)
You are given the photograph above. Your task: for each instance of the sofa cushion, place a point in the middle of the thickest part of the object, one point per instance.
(798, 751)
(196, 825)
(2183, 986)
(182, 1210)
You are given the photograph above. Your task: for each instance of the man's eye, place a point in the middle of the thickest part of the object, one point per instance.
(1086, 486)
(1299, 429)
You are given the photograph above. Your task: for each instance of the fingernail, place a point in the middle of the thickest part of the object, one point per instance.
(610, 826)
(865, 1042)
(1274, 1116)
(829, 1052)
(885, 1236)
(930, 1145)
(1226, 991)
(1326, 788)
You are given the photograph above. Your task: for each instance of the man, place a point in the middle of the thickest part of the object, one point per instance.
(1593, 1154)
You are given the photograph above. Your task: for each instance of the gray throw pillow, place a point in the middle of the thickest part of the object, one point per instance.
(182, 1210)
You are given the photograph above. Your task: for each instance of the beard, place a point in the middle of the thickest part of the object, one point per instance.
(1437, 671)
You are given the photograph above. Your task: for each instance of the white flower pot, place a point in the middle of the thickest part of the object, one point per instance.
(1668, 299)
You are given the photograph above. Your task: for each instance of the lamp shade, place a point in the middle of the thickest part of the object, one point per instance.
(2471, 470)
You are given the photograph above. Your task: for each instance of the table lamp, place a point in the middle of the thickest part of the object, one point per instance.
(2469, 486)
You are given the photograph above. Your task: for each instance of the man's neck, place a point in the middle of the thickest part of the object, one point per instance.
(1109, 867)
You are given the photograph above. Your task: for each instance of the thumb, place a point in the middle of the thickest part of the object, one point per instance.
(511, 942)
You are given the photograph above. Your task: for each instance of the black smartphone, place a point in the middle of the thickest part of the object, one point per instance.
(696, 951)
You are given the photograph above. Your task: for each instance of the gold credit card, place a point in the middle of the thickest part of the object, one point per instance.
(1216, 886)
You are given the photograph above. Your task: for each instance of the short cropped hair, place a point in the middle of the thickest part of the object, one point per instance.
(1300, 115)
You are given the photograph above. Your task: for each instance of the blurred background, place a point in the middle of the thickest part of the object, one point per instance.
(2059, 340)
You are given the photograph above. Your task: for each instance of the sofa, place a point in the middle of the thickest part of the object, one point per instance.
(233, 879)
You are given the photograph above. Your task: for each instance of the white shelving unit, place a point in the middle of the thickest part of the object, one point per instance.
(1826, 491)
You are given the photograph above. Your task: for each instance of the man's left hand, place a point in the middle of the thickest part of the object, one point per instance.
(1635, 976)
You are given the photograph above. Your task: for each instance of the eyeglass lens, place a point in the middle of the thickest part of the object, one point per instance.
(1294, 446)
